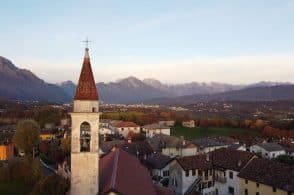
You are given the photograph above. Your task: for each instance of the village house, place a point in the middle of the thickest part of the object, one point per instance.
(227, 164)
(263, 177)
(206, 145)
(105, 127)
(159, 166)
(155, 128)
(192, 175)
(189, 124)
(172, 146)
(169, 123)
(6, 151)
(123, 128)
(268, 150)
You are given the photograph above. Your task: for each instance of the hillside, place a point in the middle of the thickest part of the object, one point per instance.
(272, 93)
(21, 84)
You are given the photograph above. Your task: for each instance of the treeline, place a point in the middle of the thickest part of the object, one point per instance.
(266, 128)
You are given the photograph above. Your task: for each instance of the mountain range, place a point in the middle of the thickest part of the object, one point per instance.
(21, 84)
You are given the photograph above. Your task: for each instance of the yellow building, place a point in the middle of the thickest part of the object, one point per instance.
(6, 151)
(266, 177)
(46, 135)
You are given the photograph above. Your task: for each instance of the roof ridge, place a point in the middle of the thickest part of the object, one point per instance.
(114, 172)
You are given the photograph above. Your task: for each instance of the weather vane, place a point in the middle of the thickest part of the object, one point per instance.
(87, 42)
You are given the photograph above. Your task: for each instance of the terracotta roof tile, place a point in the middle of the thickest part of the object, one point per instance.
(123, 173)
(271, 173)
(86, 89)
(195, 162)
(126, 124)
(226, 158)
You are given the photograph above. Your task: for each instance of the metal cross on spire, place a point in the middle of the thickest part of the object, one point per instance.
(87, 42)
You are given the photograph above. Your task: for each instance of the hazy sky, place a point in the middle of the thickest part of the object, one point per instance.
(173, 41)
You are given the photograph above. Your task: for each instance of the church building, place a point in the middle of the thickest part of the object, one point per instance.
(118, 172)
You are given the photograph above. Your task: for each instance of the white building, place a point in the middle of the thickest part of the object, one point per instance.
(172, 146)
(268, 150)
(227, 164)
(123, 128)
(169, 123)
(154, 129)
(192, 175)
(159, 165)
(189, 124)
(206, 145)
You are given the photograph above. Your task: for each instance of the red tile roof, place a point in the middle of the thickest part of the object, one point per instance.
(86, 89)
(195, 162)
(271, 173)
(226, 158)
(126, 124)
(123, 173)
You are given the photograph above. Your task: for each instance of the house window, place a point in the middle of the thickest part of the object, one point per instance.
(187, 173)
(210, 172)
(165, 173)
(257, 193)
(199, 173)
(231, 190)
(274, 154)
(246, 181)
(193, 172)
(257, 184)
(206, 175)
(246, 192)
(216, 191)
(274, 189)
(209, 184)
(231, 174)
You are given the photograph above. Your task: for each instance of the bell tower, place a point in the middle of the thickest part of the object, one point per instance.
(84, 138)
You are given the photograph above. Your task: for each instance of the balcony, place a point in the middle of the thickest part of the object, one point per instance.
(220, 178)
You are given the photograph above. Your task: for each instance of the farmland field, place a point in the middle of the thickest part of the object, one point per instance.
(200, 132)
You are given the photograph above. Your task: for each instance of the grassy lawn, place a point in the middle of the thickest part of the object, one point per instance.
(200, 132)
(14, 188)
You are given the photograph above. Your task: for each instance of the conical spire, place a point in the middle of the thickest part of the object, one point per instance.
(86, 89)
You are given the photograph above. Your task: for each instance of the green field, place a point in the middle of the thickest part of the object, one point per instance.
(200, 132)
(14, 188)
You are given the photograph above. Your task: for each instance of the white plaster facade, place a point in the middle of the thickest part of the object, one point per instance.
(184, 151)
(180, 182)
(265, 153)
(151, 132)
(124, 131)
(85, 165)
(225, 180)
